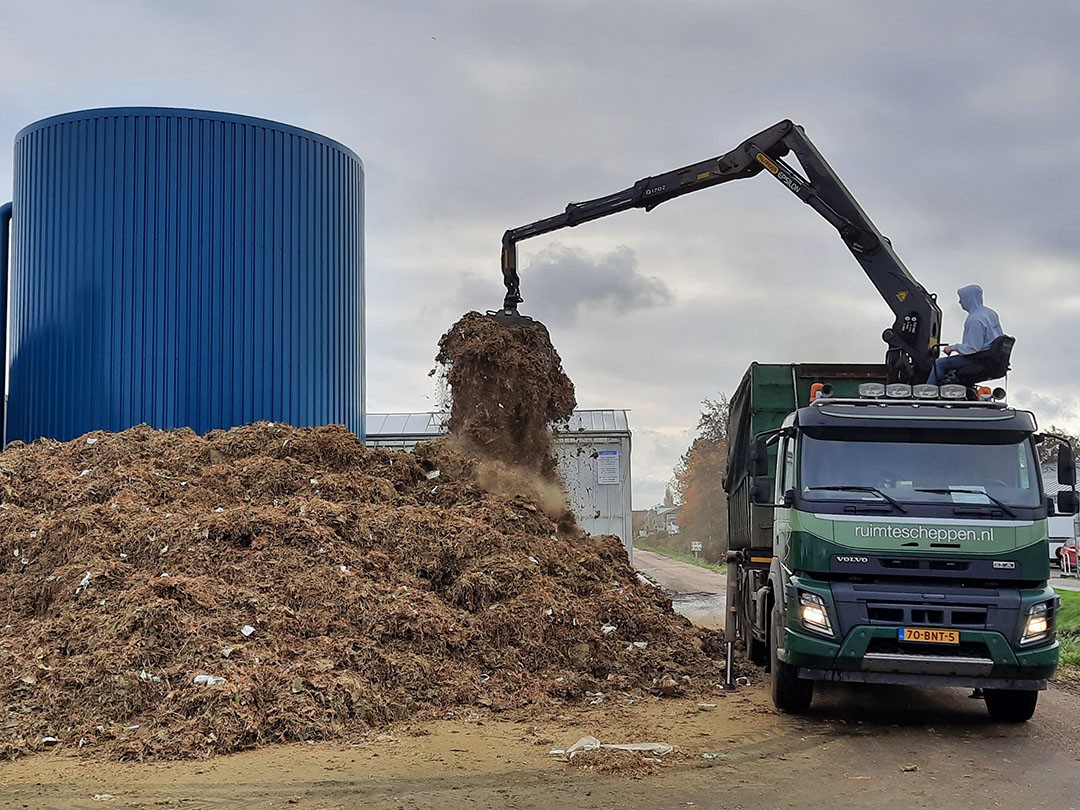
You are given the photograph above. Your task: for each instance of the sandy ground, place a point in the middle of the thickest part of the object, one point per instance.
(892, 747)
(851, 752)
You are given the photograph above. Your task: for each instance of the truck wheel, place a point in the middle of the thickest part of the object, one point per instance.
(790, 693)
(1011, 705)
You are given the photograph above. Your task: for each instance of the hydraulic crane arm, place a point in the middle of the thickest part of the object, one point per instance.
(914, 335)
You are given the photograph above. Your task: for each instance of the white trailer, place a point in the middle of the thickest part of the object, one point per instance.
(592, 449)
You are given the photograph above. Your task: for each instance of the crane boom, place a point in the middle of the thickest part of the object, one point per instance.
(914, 336)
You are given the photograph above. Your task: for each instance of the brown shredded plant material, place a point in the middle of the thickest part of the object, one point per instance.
(319, 587)
(507, 386)
(633, 764)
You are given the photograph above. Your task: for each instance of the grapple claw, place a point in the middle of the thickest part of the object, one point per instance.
(511, 318)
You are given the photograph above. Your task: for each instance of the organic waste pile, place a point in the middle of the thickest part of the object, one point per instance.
(165, 594)
(168, 595)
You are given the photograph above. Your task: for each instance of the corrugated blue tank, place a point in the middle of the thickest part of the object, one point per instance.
(183, 268)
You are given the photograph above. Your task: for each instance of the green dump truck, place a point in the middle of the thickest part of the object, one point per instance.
(889, 534)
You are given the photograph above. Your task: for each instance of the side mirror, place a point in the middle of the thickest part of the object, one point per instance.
(789, 498)
(759, 458)
(1068, 502)
(1066, 466)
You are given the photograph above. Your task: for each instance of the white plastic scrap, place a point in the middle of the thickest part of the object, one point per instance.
(641, 645)
(83, 583)
(644, 580)
(432, 475)
(247, 629)
(607, 629)
(49, 740)
(313, 481)
(533, 559)
(91, 440)
(147, 676)
(219, 509)
(84, 472)
(592, 744)
(209, 680)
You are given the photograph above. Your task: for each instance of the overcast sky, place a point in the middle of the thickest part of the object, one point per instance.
(953, 123)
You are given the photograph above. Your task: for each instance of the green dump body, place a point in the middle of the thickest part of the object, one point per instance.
(767, 394)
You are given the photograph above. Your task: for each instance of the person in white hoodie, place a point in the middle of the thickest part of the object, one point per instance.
(980, 329)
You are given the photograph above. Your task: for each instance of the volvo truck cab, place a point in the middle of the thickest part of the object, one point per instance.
(899, 540)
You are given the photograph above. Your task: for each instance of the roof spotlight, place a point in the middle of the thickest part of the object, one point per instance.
(953, 392)
(871, 390)
(898, 391)
(925, 391)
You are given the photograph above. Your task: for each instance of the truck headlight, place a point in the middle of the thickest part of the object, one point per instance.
(1040, 623)
(812, 613)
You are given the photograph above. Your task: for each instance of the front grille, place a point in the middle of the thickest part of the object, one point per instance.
(885, 615)
(915, 564)
(968, 616)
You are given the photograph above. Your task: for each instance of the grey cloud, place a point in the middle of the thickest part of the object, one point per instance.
(561, 284)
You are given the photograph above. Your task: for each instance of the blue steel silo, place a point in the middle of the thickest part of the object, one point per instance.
(183, 268)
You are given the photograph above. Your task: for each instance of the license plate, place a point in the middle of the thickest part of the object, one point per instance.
(926, 634)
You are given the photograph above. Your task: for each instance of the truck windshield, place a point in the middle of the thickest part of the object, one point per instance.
(998, 473)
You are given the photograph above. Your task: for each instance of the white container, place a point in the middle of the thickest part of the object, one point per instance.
(592, 449)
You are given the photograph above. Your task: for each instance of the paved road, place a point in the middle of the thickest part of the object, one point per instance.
(697, 593)
(1056, 581)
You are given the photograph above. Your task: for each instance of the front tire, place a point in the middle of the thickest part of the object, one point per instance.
(790, 693)
(1011, 705)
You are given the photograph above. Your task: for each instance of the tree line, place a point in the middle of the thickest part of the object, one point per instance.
(698, 481)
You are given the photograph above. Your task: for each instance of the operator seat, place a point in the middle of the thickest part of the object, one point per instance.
(989, 363)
